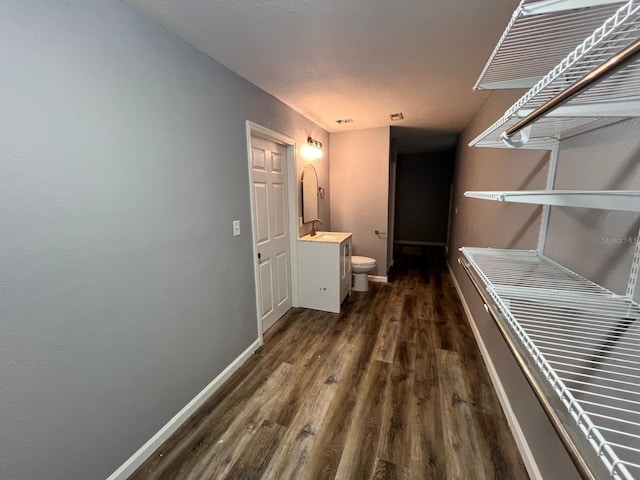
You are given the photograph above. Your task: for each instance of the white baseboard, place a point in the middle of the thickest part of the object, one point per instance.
(378, 278)
(138, 458)
(521, 441)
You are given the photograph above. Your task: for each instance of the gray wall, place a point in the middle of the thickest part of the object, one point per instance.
(423, 184)
(597, 243)
(577, 238)
(122, 290)
(360, 190)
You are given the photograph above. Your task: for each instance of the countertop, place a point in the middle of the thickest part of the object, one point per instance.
(326, 237)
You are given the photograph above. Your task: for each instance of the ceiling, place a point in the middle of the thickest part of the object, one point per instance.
(357, 59)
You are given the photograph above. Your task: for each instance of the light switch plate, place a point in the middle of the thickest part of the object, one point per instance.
(236, 228)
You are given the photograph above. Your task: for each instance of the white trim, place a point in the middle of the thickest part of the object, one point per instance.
(418, 242)
(378, 278)
(144, 452)
(391, 210)
(512, 420)
(292, 192)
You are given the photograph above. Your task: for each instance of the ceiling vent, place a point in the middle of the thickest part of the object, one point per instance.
(396, 116)
(344, 120)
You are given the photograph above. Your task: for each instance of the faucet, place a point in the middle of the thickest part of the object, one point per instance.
(313, 227)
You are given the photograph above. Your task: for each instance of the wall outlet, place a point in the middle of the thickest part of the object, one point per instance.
(236, 228)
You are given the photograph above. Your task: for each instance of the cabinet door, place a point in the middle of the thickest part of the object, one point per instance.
(319, 276)
(345, 269)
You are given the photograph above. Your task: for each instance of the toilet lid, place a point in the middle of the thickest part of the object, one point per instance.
(363, 260)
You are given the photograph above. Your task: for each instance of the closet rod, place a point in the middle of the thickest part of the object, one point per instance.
(607, 68)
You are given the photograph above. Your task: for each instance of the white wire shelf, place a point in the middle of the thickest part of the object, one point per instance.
(578, 344)
(622, 200)
(611, 100)
(538, 36)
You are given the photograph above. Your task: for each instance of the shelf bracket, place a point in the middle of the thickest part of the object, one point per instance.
(632, 292)
(515, 143)
(546, 210)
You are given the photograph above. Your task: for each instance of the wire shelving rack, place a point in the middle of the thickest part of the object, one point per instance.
(537, 38)
(579, 341)
(612, 99)
(621, 200)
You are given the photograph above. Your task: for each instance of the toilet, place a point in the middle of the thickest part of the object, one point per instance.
(360, 266)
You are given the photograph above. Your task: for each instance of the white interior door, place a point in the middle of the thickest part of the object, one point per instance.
(271, 227)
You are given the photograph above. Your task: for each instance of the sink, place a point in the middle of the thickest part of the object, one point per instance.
(329, 237)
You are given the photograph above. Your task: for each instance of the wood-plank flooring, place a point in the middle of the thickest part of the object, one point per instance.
(391, 388)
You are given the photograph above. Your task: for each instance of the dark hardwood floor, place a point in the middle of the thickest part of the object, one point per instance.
(392, 387)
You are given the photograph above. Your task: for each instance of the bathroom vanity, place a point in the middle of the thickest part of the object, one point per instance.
(324, 270)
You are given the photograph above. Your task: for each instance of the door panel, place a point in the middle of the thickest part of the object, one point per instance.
(261, 212)
(259, 160)
(280, 214)
(266, 299)
(270, 213)
(282, 276)
(277, 162)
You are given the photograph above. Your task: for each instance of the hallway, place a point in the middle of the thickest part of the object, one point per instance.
(392, 387)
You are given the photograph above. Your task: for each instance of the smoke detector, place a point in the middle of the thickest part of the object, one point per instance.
(396, 116)
(344, 120)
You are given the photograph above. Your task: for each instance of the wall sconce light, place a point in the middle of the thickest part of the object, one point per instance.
(312, 150)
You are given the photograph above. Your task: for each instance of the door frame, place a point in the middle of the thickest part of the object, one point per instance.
(253, 129)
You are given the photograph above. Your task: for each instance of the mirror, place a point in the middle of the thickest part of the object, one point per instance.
(309, 194)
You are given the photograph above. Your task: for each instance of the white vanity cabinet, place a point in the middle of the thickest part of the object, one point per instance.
(324, 270)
